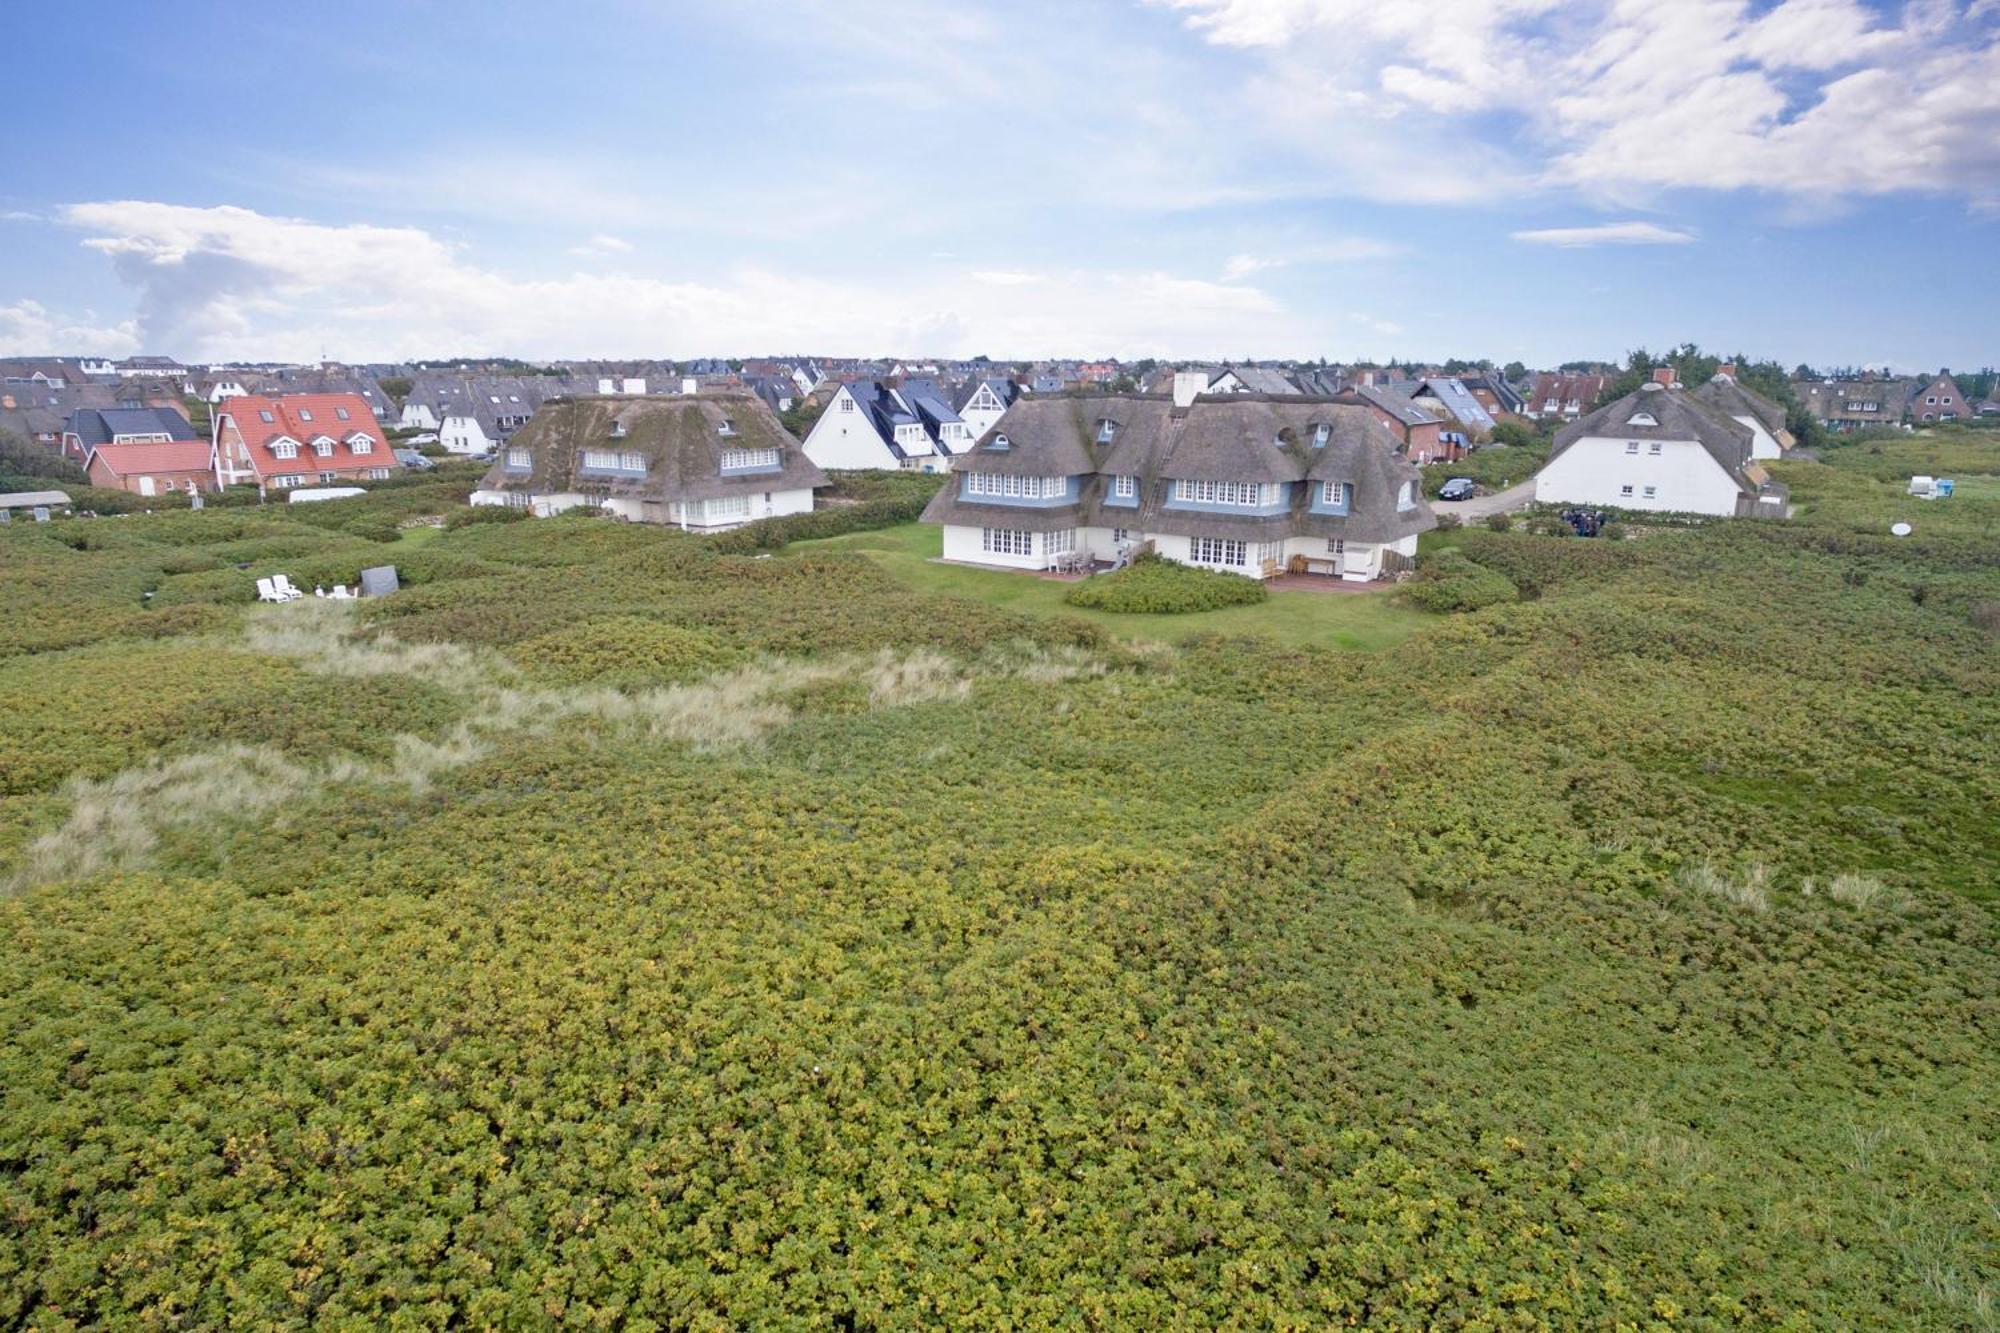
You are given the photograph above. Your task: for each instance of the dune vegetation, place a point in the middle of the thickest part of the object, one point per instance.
(615, 928)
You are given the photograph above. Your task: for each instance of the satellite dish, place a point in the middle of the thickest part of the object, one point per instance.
(1900, 529)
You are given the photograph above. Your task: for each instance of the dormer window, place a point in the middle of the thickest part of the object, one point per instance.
(323, 447)
(744, 460)
(1001, 442)
(1642, 419)
(617, 430)
(284, 449)
(1107, 430)
(360, 444)
(727, 427)
(519, 457)
(1406, 495)
(1322, 432)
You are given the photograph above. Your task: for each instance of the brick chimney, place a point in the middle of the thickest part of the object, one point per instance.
(1664, 377)
(1727, 368)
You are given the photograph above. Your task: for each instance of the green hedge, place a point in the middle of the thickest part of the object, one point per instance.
(768, 534)
(1155, 586)
(1450, 582)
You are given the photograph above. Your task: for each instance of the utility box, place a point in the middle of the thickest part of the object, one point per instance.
(379, 581)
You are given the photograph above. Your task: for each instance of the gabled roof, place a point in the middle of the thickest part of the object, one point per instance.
(127, 460)
(1003, 388)
(298, 418)
(1258, 379)
(680, 438)
(95, 426)
(1455, 398)
(1723, 393)
(1396, 403)
(1678, 415)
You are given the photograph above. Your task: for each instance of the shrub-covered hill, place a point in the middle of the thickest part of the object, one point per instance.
(610, 930)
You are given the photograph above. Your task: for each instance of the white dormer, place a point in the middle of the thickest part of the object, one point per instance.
(323, 446)
(727, 427)
(360, 444)
(1107, 431)
(284, 448)
(1322, 432)
(1642, 419)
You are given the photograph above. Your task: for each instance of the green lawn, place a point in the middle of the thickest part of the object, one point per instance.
(1368, 621)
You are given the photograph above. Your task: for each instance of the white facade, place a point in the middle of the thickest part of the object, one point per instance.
(982, 411)
(715, 515)
(1763, 444)
(417, 416)
(463, 435)
(845, 437)
(1004, 548)
(1672, 476)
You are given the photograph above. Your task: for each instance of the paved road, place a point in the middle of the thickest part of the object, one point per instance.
(1500, 502)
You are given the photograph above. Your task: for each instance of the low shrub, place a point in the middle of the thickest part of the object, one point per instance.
(1448, 581)
(476, 514)
(1152, 585)
(1448, 522)
(623, 650)
(768, 534)
(1499, 523)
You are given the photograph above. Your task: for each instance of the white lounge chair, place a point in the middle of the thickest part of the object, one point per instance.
(286, 590)
(340, 593)
(266, 592)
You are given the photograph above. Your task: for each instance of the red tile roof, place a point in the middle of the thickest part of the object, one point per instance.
(303, 418)
(127, 460)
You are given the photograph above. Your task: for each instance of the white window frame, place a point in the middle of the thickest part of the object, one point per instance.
(737, 460)
(1223, 552)
(1006, 541)
(520, 457)
(1335, 493)
(1653, 448)
(1624, 491)
(1241, 494)
(1060, 542)
(285, 449)
(1125, 487)
(1631, 446)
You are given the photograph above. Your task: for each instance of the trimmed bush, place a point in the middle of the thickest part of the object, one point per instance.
(1152, 585)
(1448, 581)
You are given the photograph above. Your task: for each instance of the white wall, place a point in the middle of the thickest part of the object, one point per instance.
(1592, 471)
(967, 544)
(1762, 443)
(846, 439)
(463, 435)
(418, 416)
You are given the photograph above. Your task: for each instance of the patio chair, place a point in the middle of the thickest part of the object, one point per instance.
(266, 592)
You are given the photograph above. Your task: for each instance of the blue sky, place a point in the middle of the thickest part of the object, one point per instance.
(1812, 180)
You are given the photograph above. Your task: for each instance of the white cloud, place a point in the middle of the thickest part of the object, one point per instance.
(1344, 250)
(1005, 278)
(1616, 98)
(224, 282)
(28, 328)
(599, 246)
(1608, 233)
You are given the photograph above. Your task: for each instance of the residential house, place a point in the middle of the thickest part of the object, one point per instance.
(869, 424)
(38, 411)
(1423, 434)
(474, 414)
(153, 467)
(1938, 400)
(1500, 399)
(333, 379)
(1252, 379)
(1661, 448)
(1250, 484)
(1447, 396)
(702, 462)
(1857, 404)
(983, 400)
(47, 370)
(152, 367)
(1764, 419)
(281, 441)
(1564, 396)
(89, 427)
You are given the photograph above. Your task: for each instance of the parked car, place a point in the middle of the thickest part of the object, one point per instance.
(428, 438)
(1458, 488)
(411, 458)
